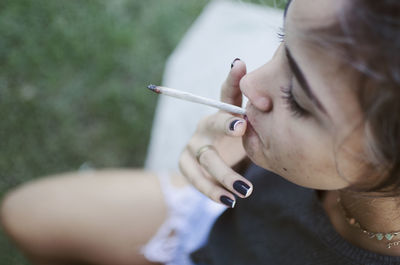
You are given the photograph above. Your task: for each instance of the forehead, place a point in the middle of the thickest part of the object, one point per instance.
(322, 68)
(313, 13)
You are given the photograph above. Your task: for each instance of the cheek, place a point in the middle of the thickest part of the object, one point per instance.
(302, 153)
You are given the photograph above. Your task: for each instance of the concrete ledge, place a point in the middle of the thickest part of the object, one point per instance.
(225, 30)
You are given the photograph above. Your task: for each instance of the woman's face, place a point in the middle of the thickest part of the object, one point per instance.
(301, 106)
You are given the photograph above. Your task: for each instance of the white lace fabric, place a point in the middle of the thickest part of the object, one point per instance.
(190, 217)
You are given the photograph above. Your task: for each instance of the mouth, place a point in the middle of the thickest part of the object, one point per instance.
(255, 138)
(249, 126)
(249, 117)
(251, 139)
(246, 118)
(250, 129)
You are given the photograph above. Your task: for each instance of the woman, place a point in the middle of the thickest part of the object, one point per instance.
(323, 114)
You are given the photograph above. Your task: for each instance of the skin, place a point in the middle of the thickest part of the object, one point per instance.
(301, 149)
(304, 146)
(323, 150)
(96, 217)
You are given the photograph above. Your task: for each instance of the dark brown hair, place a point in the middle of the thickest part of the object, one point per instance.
(367, 35)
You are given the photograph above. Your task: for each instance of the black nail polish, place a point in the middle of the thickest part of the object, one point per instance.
(233, 124)
(227, 201)
(233, 63)
(241, 187)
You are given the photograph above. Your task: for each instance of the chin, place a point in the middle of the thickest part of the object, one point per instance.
(255, 152)
(253, 148)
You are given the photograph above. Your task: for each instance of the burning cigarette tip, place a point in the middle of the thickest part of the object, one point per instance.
(153, 88)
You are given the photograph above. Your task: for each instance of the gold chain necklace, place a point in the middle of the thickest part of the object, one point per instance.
(378, 235)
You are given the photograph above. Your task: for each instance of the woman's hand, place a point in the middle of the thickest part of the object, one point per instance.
(216, 146)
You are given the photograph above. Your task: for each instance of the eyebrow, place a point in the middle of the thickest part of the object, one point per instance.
(302, 80)
(299, 74)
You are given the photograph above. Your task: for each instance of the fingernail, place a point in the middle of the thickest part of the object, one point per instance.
(227, 201)
(241, 187)
(233, 63)
(233, 124)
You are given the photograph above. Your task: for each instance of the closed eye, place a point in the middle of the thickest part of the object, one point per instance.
(294, 107)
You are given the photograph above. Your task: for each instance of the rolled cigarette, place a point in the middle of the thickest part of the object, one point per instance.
(197, 99)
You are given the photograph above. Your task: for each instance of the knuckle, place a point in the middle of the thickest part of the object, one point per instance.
(204, 160)
(191, 146)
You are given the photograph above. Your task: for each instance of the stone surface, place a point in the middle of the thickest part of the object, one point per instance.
(225, 30)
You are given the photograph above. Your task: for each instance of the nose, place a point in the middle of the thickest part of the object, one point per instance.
(259, 98)
(258, 86)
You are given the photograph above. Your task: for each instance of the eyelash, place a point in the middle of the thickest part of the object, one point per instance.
(288, 97)
(292, 104)
(281, 35)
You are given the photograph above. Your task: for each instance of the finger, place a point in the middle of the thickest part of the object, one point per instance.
(220, 124)
(193, 172)
(216, 167)
(230, 91)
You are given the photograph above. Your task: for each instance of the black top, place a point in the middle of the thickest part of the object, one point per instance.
(281, 223)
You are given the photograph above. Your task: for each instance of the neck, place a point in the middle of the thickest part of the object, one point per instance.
(374, 214)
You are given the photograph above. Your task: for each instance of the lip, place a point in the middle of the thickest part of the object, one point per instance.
(246, 118)
(253, 118)
(249, 115)
(250, 128)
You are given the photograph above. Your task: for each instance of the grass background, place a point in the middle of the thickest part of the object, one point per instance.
(72, 79)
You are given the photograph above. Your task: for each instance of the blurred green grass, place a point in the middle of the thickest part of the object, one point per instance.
(72, 80)
(72, 84)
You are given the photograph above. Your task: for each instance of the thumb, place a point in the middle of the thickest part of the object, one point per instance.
(230, 91)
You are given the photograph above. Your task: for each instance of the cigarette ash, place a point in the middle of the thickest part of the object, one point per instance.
(154, 88)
